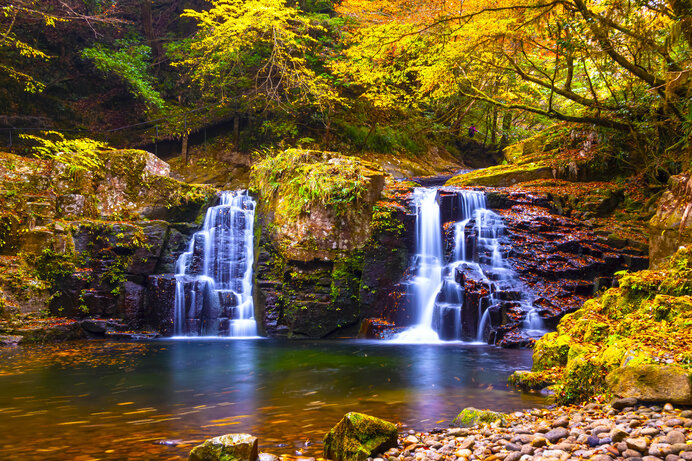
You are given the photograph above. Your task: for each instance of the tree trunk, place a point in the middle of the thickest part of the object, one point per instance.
(236, 132)
(148, 24)
(184, 149)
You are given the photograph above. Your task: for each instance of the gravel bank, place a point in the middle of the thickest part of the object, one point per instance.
(600, 432)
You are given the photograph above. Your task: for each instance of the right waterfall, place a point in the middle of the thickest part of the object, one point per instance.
(459, 292)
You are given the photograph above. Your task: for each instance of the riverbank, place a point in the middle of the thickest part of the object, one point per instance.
(600, 432)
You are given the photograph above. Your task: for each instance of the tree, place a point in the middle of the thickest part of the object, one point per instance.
(255, 51)
(617, 64)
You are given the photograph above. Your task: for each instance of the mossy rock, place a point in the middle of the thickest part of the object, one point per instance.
(229, 447)
(470, 417)
(652, 383)
(502, 175)
(358, 436)
(550, 351)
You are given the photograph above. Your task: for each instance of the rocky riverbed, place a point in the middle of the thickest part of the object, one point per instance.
(600, 432)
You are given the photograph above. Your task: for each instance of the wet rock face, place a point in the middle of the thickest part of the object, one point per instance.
(562, 260)
(671, 226)
(332, 293)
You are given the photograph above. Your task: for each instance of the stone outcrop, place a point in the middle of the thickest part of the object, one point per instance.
(229, 447)
(652, 383)
(325, 264)
(671, 226)
(84, 243)
(357, 437)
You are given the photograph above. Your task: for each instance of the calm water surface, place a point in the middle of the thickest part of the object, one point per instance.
(154, 400)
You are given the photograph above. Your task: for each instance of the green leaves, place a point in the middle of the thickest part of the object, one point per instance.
(129, 62)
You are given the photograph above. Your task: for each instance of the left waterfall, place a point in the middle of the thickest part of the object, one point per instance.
(213, 295)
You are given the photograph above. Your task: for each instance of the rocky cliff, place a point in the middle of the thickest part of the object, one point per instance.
(78, 243)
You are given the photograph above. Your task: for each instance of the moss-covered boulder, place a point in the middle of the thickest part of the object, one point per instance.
(229, 447)
(652, 383)
(357, 437)
(638, 335)
(317, 203)
(469, 417)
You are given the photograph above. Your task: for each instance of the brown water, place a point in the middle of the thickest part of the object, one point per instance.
(154, 400)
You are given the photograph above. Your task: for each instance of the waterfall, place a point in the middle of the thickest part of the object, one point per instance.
(438, 289)
(213, 294)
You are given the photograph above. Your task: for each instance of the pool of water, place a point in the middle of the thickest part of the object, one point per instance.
(154, 400)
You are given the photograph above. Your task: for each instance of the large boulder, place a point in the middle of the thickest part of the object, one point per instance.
(357, 437)
(229, 447)
(652, 383)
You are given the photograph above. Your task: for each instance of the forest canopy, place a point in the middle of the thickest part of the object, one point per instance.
(382, 75)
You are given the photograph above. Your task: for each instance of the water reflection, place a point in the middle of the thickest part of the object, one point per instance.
(122, 400)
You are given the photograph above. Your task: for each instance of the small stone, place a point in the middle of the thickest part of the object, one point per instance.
(600, 430)
(465, 453)
(514, 456)
(651, 458)
(672, 458)
(618, 435)
(593, 441)
(659, 449)
(553, 454)
(557, 434)
(620, 404)
(512, 447)
(561, 422)
(679, 448)
(650, 431)
(621, 446)
(631, 454)
(268, 457)
(527, 450)
(668, 407)
(674, 437)
(601, 458)
(638, 444)
(468, 442)
(539, 441)
(675, 422)
(410, 440)
(687, 456)
(686, 414)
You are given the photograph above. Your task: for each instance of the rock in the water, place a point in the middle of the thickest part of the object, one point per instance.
(357, 437)
(470, 417)
(229, 447)
(652, 383)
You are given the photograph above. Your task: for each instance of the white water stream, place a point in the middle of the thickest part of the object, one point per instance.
(214, 277)
(437, 294)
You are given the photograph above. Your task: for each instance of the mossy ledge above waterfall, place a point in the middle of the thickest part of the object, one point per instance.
(83, 242)
(632, 341)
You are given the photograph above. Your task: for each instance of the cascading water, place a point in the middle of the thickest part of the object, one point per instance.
(214, 277)
(438, 289)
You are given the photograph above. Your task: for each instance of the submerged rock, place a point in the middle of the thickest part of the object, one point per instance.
(358, 436)
(229, 447)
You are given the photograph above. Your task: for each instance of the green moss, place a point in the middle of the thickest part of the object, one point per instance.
(646, 320)
(307, 178)
(358, 436)
(469, 417)
(551, 352)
